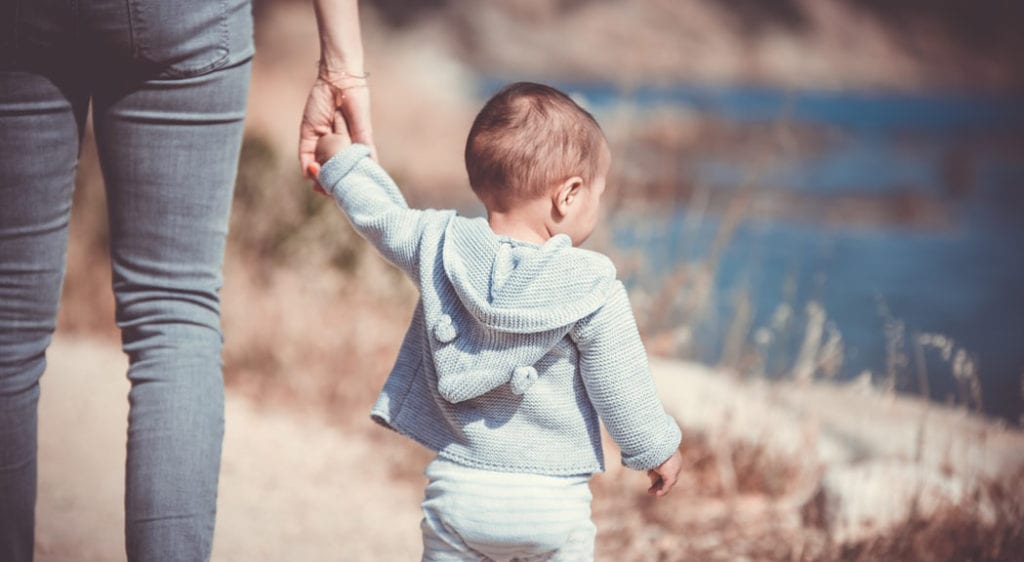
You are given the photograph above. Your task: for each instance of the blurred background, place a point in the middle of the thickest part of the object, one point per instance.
(804, 194)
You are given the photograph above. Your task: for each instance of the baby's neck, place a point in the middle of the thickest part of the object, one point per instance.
(521, 223)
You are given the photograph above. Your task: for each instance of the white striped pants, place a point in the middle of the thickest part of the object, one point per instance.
(482, 515)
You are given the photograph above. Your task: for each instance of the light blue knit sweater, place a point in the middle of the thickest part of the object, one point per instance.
(515, 350)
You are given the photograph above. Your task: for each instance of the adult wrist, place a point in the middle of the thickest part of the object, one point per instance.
(345, 62)
(342, 77)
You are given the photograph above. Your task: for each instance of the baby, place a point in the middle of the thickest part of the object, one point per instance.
(520, 342)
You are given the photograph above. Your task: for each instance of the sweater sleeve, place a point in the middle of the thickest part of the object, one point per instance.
(374, 205)
(613, 364)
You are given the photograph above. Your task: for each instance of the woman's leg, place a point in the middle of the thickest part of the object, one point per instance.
(169, 153)
(41, 116)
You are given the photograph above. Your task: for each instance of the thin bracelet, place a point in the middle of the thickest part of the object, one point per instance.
(339, 87)
(343, 73)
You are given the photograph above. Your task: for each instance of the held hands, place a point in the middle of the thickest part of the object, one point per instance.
(332, 143)
(339, 108)
(326, 147)
(664, 477)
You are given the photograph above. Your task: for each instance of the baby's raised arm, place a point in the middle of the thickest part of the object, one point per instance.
(373, 203)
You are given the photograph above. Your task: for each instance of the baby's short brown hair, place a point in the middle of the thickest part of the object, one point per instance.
(526, 138)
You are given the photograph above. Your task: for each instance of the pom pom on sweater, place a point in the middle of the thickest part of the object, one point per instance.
(444, 330)
(522, 379)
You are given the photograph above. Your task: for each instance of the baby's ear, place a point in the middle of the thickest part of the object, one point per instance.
(566, 194)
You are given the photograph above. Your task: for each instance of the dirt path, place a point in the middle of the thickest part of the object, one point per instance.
(292, 488)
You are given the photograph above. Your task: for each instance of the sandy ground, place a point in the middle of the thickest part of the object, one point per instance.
(292, 487)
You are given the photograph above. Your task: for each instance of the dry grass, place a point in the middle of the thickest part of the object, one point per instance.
(701, 520)
(962, 533)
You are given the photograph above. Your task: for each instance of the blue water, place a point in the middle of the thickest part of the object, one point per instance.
(963, 279)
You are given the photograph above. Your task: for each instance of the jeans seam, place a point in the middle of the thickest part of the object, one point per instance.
(132, 43)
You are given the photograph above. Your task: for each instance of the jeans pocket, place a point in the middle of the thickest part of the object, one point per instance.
(180, 37)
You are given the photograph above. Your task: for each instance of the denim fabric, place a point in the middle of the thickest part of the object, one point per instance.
(168, 83)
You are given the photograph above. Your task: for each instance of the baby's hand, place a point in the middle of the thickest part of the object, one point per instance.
(329, 145)
(326, 147)
(664, 477)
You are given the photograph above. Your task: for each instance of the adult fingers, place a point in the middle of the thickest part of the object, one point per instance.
(307, 146)
(317, 118)
(355, 109)
(313, 171)
(340, 127)
(307, 151)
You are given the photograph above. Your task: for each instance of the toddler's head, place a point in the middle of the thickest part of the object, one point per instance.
(532, 144)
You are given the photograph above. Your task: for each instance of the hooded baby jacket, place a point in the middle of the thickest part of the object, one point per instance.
(515, 350)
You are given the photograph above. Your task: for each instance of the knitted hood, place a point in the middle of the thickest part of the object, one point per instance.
(514, 302)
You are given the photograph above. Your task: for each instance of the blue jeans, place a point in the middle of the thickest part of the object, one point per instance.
(168, 83)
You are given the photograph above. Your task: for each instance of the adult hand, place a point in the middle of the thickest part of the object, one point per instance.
(345, 99)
